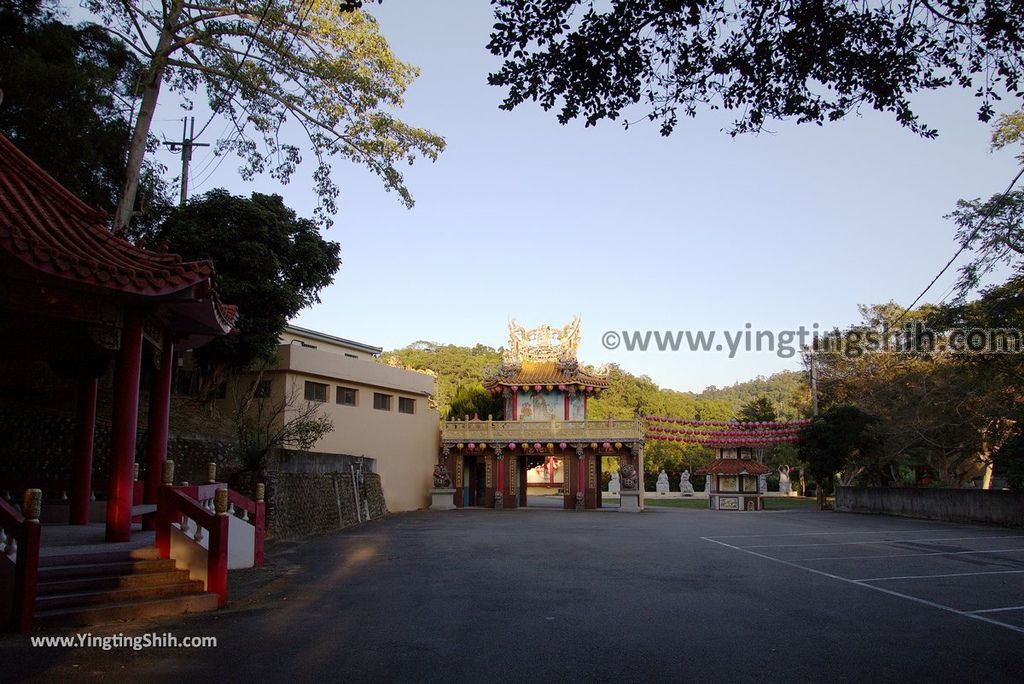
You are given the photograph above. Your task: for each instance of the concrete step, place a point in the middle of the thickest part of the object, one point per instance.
(143, 553)
(83, 584)
(118, 595)
(122, 567)
(113, 612)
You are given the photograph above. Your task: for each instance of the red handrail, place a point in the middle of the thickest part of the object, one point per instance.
(175, 502)
(257, 518)
(26, 569)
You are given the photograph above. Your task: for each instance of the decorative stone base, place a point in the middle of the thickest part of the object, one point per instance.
(442, 499)
(629, 501)
(579, 501)
(499, 501)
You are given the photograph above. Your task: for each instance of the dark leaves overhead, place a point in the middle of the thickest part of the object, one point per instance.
(813, 61)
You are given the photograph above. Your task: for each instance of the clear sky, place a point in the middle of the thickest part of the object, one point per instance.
(524, 218)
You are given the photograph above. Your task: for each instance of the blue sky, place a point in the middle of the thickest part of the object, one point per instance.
(522, 217)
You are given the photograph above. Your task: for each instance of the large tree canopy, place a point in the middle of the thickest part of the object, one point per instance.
(270, 263)
(67, 95)
(317, 63)
(809, 60)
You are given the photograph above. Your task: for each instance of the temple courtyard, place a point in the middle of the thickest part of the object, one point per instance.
(549, 595)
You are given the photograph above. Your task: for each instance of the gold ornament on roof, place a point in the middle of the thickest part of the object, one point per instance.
(542, 343)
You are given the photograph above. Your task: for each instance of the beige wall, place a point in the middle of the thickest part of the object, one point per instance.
(404, 446)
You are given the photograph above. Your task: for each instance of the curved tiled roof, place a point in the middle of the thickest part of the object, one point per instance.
(50, 230)
(734, 466)
(548, 373)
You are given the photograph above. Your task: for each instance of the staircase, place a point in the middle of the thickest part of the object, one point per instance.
(88, 589)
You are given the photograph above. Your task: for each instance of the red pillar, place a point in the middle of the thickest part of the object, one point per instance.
(125, 422)
(85, 429)
(156, 432)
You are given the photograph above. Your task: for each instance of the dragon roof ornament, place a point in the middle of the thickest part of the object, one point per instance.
(542, 343)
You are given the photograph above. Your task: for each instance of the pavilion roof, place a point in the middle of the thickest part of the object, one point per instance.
(50, 230)
(544, 373)
(734, 466)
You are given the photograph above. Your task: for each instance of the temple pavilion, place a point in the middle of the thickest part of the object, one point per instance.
(545, 431)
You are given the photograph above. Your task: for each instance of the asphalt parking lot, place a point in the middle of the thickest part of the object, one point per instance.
(548, 595)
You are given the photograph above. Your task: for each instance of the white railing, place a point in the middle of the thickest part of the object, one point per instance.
(520, 430)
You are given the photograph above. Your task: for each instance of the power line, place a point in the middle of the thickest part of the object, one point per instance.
(960, 251)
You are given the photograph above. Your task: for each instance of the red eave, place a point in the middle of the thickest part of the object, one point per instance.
(51, 231)
(734, 466)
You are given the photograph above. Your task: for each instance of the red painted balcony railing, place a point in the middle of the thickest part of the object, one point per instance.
(19, 545)
(254, 513)
(181, 505)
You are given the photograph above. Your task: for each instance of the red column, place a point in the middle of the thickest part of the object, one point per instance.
(85, 429)
(125, 422)
(515, 405)
(156, 431)
(567, 406)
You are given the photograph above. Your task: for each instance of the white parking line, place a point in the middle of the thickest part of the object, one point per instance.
(996, 610)
(880, 541)
(825, 534)
(911, 555)
(948, 574)
(948, 609)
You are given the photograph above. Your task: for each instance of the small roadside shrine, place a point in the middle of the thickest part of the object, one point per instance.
(736, 476)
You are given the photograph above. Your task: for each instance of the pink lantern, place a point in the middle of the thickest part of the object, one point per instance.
(562, 446)
(471, 446)
(511, 446)
(561, 387)
(537, 446)
(536, 388)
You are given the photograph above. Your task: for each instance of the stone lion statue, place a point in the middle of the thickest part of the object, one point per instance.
(442, 480)
(630, 478)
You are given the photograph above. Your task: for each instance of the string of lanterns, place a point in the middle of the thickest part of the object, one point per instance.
(571, 387)
(536, 446)
(729, 423)
(751, 433)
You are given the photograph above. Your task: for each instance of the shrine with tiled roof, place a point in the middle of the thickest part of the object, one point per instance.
(544, 428)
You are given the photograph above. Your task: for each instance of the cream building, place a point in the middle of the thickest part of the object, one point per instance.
(381, 414)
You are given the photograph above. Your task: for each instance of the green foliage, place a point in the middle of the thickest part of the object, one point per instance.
(758, 410)
(762, 59)
(321, 66)
(474, 401)
(994, 231)
(453, 365)
(67, 95)
(836, 441)
(1009, 461)
(270, 263)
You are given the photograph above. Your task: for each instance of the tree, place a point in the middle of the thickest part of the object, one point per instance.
(474, 401)
(764, 59)
(273, 420)
(833, 442)
(1009, 461)
(67, 97)
(993, 229)
(760, 410)
(321, 64)
(269, 262)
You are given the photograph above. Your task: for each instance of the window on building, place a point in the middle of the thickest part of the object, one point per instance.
(406, 405)
(316, 391)
(351, 356)
(382, 401)
(346, 396)
(261, 390)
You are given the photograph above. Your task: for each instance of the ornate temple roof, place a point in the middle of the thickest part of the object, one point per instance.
(544, 358)
(49, 234)
(734, 466)
(50, 230)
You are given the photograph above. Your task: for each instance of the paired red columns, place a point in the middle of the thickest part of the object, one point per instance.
(159, 416)
(85, 429)
(125, 423)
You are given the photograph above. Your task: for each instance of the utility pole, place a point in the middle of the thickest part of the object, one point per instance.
(188, 132)
(814, 384)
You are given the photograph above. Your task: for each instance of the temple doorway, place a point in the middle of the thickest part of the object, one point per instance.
(608, 494)
(545, 480)
(474, 481)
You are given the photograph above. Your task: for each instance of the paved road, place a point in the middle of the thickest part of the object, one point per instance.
(536, 595)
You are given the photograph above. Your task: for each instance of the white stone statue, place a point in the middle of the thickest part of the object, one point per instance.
(614, 486)
(662, 485)
(707, 483)
(685, 488)
(762, 484)
(785, 485)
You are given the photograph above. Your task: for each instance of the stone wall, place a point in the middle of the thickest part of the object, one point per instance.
(954, 505)
(313, 503)
(35, 445)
